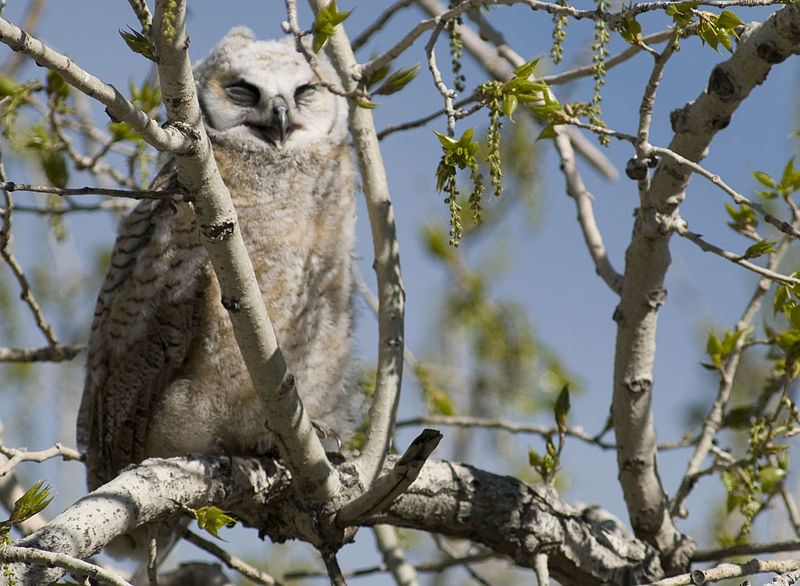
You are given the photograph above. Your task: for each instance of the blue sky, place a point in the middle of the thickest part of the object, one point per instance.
(552, 276)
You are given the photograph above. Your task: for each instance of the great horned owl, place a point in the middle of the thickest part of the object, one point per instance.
(165, 376)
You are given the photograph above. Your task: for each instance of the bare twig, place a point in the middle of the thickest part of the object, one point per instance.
(503, 425)
(393, 556)
(583, 202)
(29, 23)
(234, 563)
(680, 229)
(710, 555)
(169, 138)
(541, 569)
(25, 289)
(57, 353)
(16, 456)
(132, 194)
(722, 571)
(737, 197)
(389, 486)
(379, 23)
(27, 555)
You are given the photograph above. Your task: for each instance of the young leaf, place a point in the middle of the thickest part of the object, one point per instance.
(32, 502)
(327, 18)
(398, 80)
(526, 70)
(561, 409)
(728, 20)
(138, 43)
(759, 248)
(549, 131)
(714, 349)
(763, 178)
(631, 31)
(212, 519)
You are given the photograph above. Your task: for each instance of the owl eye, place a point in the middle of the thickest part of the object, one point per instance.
(305, 92)
(242, 93)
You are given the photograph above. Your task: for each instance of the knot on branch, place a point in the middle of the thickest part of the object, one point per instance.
(218, 232)
(636, 167)
(722, 84)
(769, 52)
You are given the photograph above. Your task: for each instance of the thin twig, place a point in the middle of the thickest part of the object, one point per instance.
(5, 253)
(681, 230)
(131, 194)
(169, 138)
(583, 202)
(737, 197)
(468, 421)
(234, 563)
(379, 23)
(16, 456)
(722, 571)
(57, 353)
(39, 557)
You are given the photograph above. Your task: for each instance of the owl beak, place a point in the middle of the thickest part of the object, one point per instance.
(280, 121)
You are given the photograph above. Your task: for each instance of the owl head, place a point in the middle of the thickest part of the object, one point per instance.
(261, 95)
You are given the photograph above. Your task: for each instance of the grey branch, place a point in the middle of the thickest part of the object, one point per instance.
(164, 139)
(57, 353)
(507, 515)
(390, 485)
(222, 238)
(391, 295)
(647, 261)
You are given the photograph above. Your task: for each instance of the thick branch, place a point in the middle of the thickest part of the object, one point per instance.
(391, 295)
(222, 238)
(509, 516)
(647, 260)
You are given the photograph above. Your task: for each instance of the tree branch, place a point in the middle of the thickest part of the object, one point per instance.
(119, 108)
(647, 260)
(512, 518)
(222, 238)
(391, 296)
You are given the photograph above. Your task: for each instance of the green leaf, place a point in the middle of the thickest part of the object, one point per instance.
(549, 131)
(398, 80)
(526, 70)
(770, 477)
(758, 249)
(534, 459)
(768, 194)
(714, 349)
(763, 178)
(327, 18)
(366, 104)
(447, 141)
(781, 298)
(56, 86)
(631, 31)
(32, 502)
(794, 316)
(138, 43)
(54, 164)
(510, 103)
(212, 519)
(790, 180)
(9, 86)
(728, 20)
(561, 409)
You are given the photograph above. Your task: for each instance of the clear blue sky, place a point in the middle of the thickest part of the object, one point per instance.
(552, 274)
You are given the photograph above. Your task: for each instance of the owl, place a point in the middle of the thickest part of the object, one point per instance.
(165, 376)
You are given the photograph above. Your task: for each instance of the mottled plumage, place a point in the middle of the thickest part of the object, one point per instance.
(164, 374)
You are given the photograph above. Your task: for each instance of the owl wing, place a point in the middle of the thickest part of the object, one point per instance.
(142, 328)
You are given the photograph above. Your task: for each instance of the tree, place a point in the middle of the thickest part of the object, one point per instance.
(741, 437)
